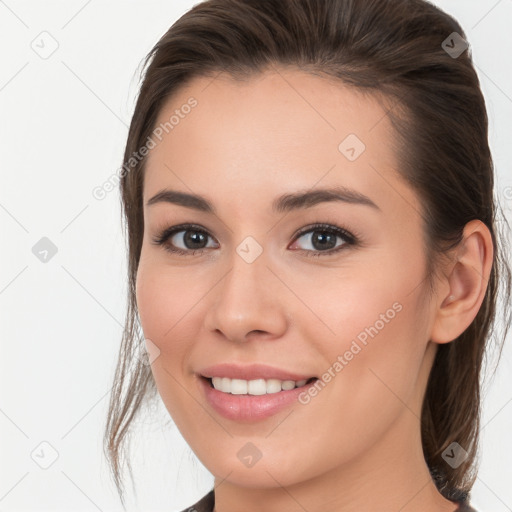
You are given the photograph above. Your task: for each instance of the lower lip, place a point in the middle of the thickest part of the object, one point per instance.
(250, 407)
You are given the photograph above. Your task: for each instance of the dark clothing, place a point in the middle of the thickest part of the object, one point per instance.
(206, 503)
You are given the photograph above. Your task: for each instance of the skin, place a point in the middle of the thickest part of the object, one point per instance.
(356, 445)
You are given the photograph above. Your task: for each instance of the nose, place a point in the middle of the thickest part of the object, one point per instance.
(248, 302)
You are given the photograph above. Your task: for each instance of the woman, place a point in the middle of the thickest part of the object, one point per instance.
(313, 253)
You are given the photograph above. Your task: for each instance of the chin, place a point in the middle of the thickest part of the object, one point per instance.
(266, 472)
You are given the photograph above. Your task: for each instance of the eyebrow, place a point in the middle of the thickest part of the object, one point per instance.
(285, 203)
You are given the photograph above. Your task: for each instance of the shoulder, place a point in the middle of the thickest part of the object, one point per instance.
(205, 504)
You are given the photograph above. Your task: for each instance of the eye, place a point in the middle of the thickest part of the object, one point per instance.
(191, 238)
(321, 239)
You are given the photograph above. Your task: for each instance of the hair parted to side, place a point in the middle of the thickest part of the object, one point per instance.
(387, 48)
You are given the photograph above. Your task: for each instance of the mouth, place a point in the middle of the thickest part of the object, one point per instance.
(252, 400)
(255, 387)
(251, 392)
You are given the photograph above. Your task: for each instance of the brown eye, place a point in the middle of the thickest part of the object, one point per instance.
(322, 239)
(184, 240)
(325, 239)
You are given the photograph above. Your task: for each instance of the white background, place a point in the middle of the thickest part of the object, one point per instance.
(63, 125)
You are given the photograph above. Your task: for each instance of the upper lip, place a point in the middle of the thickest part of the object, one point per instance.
(251, 372)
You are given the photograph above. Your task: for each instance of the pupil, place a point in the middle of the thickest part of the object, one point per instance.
(323, 240)
(194, 238)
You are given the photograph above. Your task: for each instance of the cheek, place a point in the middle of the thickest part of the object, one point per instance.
(161, 301)
(151, 303)
(170, 303)
(162, 310)
(371, 373)
(362, 303)
(161, 305)
(372, 334)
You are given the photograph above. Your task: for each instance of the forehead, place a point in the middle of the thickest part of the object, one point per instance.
(271, 133)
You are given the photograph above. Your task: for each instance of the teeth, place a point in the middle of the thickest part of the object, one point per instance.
(273, 386)
(239, 387)
(254, 387)
(288, 384)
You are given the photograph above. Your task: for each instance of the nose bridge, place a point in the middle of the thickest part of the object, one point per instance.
(245, 299)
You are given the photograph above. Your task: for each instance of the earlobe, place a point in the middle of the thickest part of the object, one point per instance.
(467, 280)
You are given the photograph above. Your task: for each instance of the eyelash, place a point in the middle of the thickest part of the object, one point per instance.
(349, 238)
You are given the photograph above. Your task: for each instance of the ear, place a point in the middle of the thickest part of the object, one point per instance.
(465, 284)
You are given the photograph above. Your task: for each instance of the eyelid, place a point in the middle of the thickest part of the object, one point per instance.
(166, 233)
(318, 226)
(350, 237)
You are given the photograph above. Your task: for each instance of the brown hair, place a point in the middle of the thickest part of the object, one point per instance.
(388, 48)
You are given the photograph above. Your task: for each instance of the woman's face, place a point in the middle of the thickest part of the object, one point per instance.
(262, 294)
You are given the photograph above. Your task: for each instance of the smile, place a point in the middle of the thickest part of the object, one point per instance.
(256, 386)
